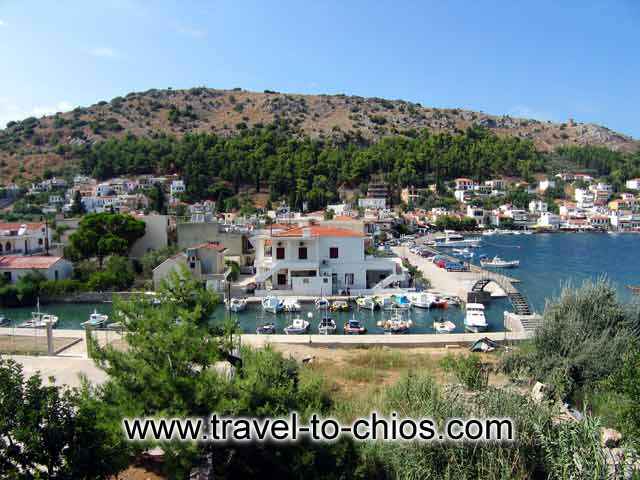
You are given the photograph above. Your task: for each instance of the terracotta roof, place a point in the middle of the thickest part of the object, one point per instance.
(28, 263)
(16, 226)
(344, 218)
(318, 231)
(212, 246)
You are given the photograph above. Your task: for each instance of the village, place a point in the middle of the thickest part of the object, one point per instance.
(344, 247)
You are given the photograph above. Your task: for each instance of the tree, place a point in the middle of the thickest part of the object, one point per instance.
(329, 214)
(103, 234)
(118, 274)
(53, 432)
(77, 207)
(158, 201)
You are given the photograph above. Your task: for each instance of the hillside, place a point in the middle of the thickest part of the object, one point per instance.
(33, 145)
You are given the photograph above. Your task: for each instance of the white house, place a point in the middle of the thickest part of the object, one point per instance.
(463, 184)
(549, 220)
(538, 206)
(477, 213)
(372, 202)
(633, 184)
(546, 184)
(53, 268)
(584, 198)
(463, 196)
(177, 187)
(24, 238)
(318, 260)
(204, 261)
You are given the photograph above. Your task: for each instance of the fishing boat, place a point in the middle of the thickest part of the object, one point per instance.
(266, 329)
(422, 299)
(488, 233)
(443, 326)
(354, 327)
(297, 327)
(634, 288)
(95, 320)
(474, 320)
(272, 304)
(385, 303)
(499, 262)
(339, 306)
(368, 303)
(291, 304)
(401, 301)
(39, 319)
(439, 302)
(395, 324)
(322, 303)
(237, 305)
(327, 326)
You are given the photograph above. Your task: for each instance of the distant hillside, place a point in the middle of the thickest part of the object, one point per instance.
(33, 145)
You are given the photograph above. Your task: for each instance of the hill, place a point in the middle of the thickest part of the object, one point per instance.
(33, 145)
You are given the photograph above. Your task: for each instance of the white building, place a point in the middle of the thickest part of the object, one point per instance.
(584, 198)
(103, 190)
(206, 262)
(177, 187)
(538, 206)
(549, 220)
(371, 202)
(546, 184)
(463, 184)
(477, 213)
(53, 268)
(633, 184)
(24, 238)
(463, 196)
(318, 260)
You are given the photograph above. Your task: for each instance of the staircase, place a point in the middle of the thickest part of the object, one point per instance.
(388, 280)
(517, 299)
(520, 304)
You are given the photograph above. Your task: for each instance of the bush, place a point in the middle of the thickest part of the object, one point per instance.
(117, 275)
(468, 369)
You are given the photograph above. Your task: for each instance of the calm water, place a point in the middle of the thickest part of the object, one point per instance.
(547, 262)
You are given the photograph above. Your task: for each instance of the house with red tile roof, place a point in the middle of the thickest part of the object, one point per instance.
(24, 238)
(205, 261)
(320, 260)
(12, 267)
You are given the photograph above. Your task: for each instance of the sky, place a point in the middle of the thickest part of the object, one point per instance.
(550, 60)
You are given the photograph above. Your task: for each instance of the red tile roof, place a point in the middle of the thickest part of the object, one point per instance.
(28, 263)
(16, 226)
(318, 231)
(212, 246)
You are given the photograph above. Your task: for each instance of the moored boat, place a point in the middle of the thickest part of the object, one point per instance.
(3, 321)
(40, 319)
(499, 262)
(327, 326)
(291, 304)
(444, 326)
(339, 306)
(237, 305)
(272, 304)
(422, 299)
(474, 320)
(354, 327)
(322, 303)
(385, 302)
(266, 329)
(368, 303)
(401, 301)
(634, 288)
(395, 324)
(95, 320)
(297, 327)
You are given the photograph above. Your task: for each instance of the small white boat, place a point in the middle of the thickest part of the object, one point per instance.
(444, 326)
(474, 320)
(40, 319)
(422, 299)
(272, 304)
(395, 324)
(327, 326)
(499, 262)
(3, 320)
(297, 327)
(237, 304)
(488, 233)
(95, 320)
(368, 303)
(291, 304)
(322, 303)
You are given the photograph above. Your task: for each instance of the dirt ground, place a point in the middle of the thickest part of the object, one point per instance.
(31, 345)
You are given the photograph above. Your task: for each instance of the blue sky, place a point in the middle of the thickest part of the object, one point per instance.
(548, 60)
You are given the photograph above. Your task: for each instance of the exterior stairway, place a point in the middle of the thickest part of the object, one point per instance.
(388, 280)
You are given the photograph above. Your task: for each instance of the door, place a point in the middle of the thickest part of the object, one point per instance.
(282, 279)
(334, 283)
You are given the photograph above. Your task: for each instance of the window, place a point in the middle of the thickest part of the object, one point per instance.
(280, 253)
(325, 280)
(7, 276)
(192, 265)
(333, 252)
(302, 253)
(56, 274)
(348, 278)
(303, 273)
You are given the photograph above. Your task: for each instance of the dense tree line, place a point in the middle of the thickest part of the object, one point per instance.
(304, 169)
